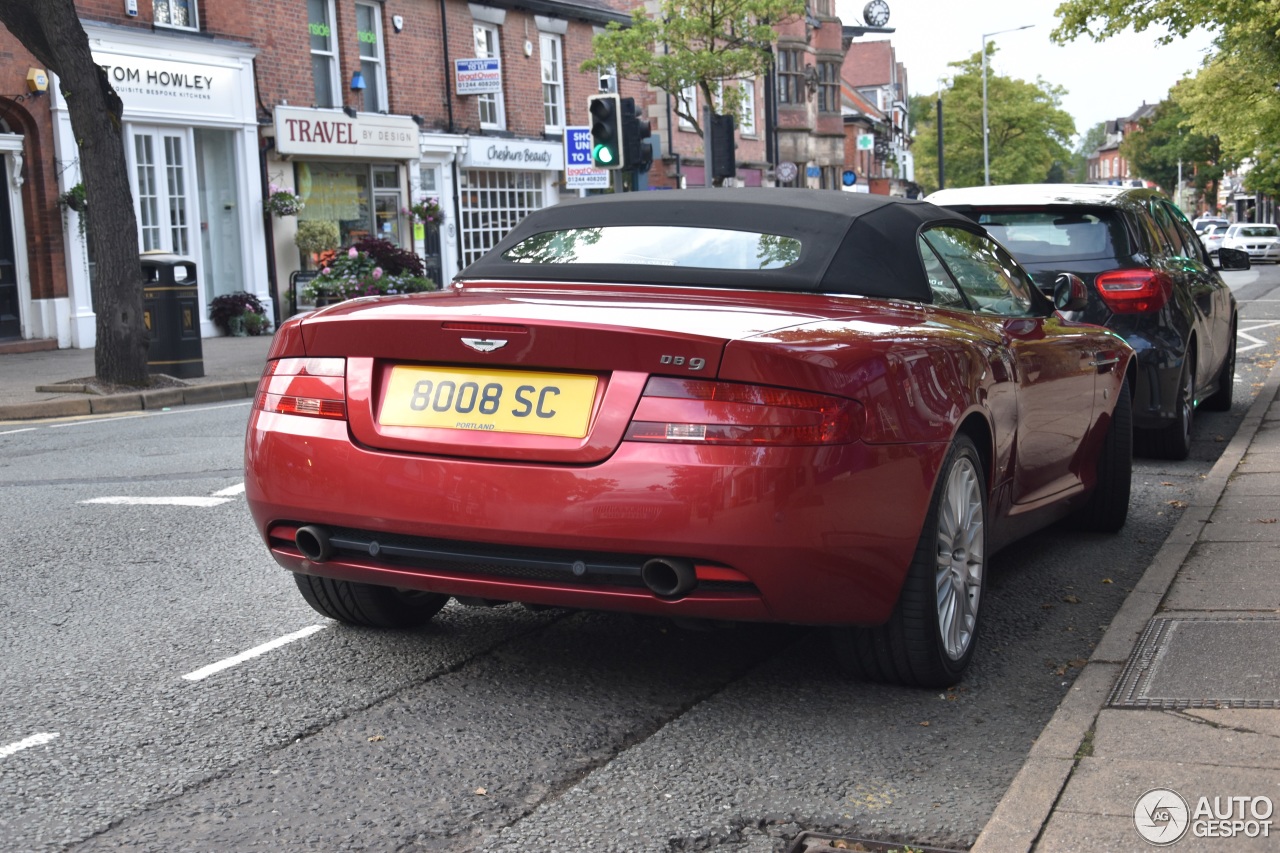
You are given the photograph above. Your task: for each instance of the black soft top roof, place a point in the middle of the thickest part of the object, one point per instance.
(853, 243)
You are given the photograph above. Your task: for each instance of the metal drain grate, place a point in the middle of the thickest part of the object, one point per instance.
(1203, 662)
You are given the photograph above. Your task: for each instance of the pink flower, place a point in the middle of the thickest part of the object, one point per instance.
(351, 253)
(326, 271)
(377, 273)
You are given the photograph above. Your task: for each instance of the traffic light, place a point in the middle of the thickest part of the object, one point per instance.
(723, 163)
(636, 151)
(606, 131)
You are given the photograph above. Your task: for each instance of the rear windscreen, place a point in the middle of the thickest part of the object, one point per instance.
(1034, 236)
(658, 245)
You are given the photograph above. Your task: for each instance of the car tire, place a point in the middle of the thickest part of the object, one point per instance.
(930, 637)
(1174, 440)
(1108, 505)
(1220, 400)
(367, 605)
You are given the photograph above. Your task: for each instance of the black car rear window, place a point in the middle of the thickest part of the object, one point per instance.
(1040, 236)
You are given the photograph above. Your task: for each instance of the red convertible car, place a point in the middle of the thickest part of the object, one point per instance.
(786, 405)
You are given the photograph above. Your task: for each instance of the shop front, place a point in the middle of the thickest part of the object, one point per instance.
(501, 181)
(352, 175)
(191, 141)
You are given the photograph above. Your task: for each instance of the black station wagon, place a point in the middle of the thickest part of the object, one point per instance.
(1150, 279)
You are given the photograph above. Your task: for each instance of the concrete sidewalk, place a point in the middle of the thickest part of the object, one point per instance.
(232, 367)
(1178, 710)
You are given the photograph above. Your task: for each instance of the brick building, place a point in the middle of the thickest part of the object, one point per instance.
(360, 107)
(1105, 164)
(874, 75)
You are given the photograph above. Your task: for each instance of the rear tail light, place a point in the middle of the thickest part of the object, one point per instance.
(314, 387)
(1134, 291)
(690, 411)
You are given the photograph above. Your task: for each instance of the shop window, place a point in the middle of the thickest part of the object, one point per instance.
(372, 64)
(491, 203)
(552, 82)
(176, 13)
(324, 53)
(790, 76)
(492, 109)
(363, 201)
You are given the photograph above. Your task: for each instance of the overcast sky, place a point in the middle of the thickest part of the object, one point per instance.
(1104, 80)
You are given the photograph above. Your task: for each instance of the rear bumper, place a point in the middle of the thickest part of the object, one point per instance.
(815, 535)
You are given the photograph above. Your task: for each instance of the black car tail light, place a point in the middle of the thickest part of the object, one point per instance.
(1134, 291)
(691, 411)
(312, 387)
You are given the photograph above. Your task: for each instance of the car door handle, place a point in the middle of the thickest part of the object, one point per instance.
(1104, 360)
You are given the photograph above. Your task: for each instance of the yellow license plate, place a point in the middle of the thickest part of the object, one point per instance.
(489, 400)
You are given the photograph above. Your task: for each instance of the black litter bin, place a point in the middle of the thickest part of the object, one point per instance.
(171, 310)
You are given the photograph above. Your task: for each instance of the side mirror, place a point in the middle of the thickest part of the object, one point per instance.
(1070, 293)
(1233, 259)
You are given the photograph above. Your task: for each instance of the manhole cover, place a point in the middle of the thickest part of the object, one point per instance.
(1203, 662)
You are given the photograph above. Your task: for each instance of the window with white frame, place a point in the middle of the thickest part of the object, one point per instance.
(747, 126)
(492, 108)
(324, 52)
(552, 82)
(176, 13)
(161, 184)
(689, 104)
(372, 62)
(491, 203)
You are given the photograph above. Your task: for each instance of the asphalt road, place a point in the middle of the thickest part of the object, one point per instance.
(493, 729)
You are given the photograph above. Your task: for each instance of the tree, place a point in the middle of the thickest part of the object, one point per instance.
(1233, 96)
(703, 43)
(51, 31)
(1029, 130)
(1165, 149)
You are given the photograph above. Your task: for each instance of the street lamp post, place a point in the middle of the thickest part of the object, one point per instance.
(986, 154)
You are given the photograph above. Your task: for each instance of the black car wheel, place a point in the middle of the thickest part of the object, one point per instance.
(367, 605)
(1220, 400)
(1108, 506)
(930, 637)
(1174, 440)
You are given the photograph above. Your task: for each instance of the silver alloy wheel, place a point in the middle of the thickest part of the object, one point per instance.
(960, 558)
(1187, 402)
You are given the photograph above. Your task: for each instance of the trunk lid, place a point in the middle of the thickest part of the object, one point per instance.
(546, 375)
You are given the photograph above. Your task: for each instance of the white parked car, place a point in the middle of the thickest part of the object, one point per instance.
(1212, 238)
(1260, 240)
(1208, 221)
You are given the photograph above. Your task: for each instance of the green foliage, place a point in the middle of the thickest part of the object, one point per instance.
(1233, 96)
(358, 273)
(317, 235)
(226, 308)
(1029, 130)
(699, 42)
(1166, 141)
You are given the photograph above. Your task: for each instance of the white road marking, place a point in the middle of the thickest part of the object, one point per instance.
(1257, 342)
(12, 431)
(206, 671)
(174, 501)
(27, 743)
(230, 491)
